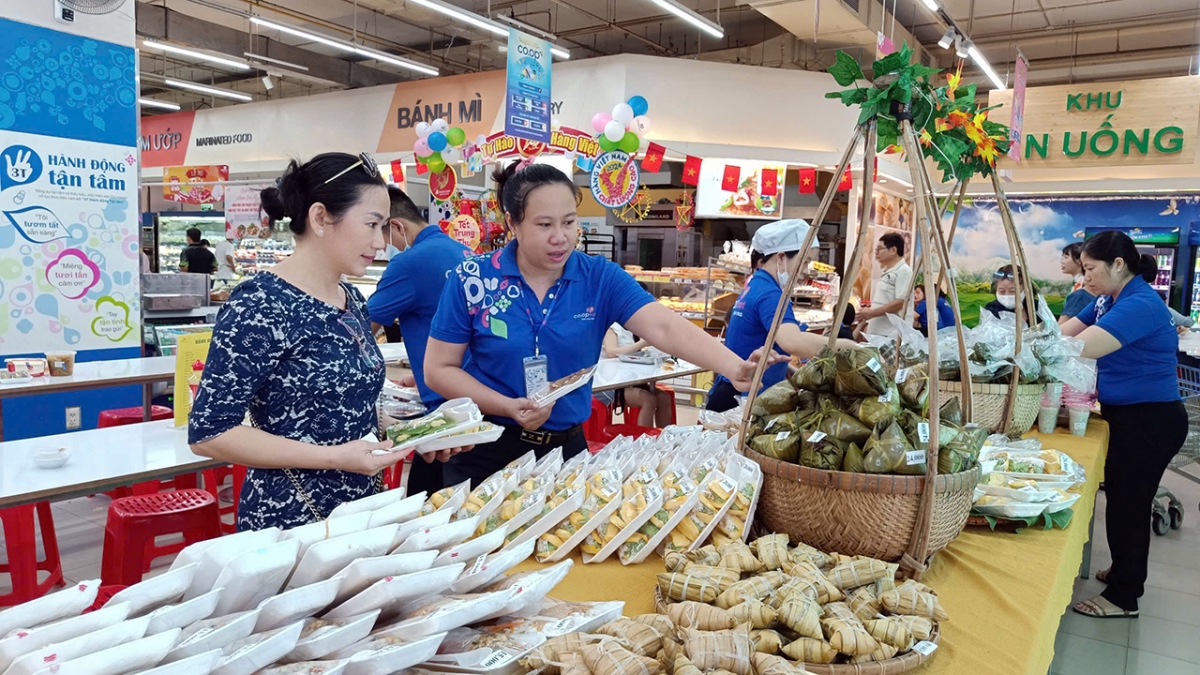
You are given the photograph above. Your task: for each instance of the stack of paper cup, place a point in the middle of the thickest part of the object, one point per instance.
(1051, 402)
(1079, 408)
(1079, 419)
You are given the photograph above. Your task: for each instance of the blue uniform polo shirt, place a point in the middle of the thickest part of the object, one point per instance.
(409, 291)
(1143, 369)
(488, 306)
(751, 319)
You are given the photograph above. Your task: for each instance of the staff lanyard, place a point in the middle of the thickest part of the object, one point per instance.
(537, 328)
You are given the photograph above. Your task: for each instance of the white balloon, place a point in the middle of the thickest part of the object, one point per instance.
(423, 129)
(554, 123)
(480, 140)
(623, 114)
(640, 125)
(452, 155)
(643, 145)
(440, 125)
(614, 131)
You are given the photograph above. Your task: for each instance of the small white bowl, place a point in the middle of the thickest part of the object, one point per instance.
(51, 458)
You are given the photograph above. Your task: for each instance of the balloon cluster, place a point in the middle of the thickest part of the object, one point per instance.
(625, 128)
(439, 144)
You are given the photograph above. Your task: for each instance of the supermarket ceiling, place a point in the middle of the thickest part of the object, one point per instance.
(282, 48)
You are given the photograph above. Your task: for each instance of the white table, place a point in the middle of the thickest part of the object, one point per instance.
(101, 459)
(97, 375)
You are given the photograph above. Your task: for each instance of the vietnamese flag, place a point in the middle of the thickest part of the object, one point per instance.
(847, 181)
(733, 175)
(397, 171)
(691, 171)
(422, 169)
(807, 181)
(770, 182)
(653, 160)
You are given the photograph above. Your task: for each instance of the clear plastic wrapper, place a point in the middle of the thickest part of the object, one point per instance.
(451, 498)
(638, 493)
(679, 492)
(735, 525)
(601, 498)
(714, 497)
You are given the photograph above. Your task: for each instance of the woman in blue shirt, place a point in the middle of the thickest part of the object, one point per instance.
(536, 311)
(293, 346)
(945, 312)
(772, 250)
(1129, 331)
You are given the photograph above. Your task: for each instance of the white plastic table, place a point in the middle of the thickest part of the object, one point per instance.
(101, 459)
(97, 375)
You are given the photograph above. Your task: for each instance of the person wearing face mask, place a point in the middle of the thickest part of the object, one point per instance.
(408, 292)
(1004, 285)
(1129, 331)
(1079, 298)
(772, 250)
(887, 295)
(536, 311)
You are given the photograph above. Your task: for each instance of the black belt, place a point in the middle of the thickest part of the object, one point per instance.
(546, 437)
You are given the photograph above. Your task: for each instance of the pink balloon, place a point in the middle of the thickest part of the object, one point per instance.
(600, 120)
(421, 148)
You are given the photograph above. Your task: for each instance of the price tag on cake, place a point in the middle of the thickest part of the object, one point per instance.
(728, 484)
(498, 658)
(923, 432)
(873, 364)
(771, 423)
(817, 437)
(782, 436)
(653, 492)
(914, 457)
(886, 397)
(901, 375)
(925, 647)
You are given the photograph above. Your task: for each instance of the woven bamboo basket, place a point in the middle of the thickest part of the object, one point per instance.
(857, 513)
(989, 400)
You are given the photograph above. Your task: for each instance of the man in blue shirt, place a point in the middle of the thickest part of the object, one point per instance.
(409, 292)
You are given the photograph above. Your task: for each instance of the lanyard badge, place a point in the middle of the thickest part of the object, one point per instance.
(537, 367)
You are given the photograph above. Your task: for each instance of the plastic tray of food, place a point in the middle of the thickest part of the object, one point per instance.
(563, 386)
(377, 655)
(529, 588)
(597, 519)
(460, 611)
(654, 494)
(661, 536)
(453, 417)
(391, 592)
(726, 481)
(641, 357)
(483, 432)
(441, 536)
(407, 530)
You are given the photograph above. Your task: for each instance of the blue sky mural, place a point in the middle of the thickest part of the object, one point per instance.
(1046, 225)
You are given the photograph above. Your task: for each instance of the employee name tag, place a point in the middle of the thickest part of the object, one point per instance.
(537, 374)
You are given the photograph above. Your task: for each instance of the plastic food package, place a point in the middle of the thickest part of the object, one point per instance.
(257, 651)
(123, 658)
(440, 537)
(297, 603)
(369, 503)
(49, 607)
(386, 655)
(80, 646)
(913, 384)
(307, 668)
(469, 550)
(487, 497)
(488, 567)
(735, 523)
(214, 554)
(715, 496)
(819, 374)
(255, 576)
(163, 589)
(641, 498)
(679, 498)
(440, 614)
(361, 573)
(397, 512)
(451, 498)
(215, 633)
(183, 614)
(407, 529)
(326, 558)
(200, 664)
(320, 637)
(528, 588)
(559, 505)
(22, 641)
(390, 593)
(600, 500)
(522, 504)
(329, 528)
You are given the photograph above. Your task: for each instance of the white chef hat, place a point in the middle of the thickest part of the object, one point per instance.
(781, 236)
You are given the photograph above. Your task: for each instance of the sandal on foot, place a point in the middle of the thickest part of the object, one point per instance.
(1100, 608)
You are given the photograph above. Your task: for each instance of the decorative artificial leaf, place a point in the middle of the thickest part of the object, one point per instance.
(869, 109)
(966, 94)
(1061, 518)
(892, 62)
(887, 132)
(922, 112)
(846, 71)
(920, 70)
(850, 96)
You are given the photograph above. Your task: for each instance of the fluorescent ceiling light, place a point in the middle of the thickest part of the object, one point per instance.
(932, 5)
(267, 59)
(152, 103)
(214, 91)
(163, 47)
(463, 16)
(985, 67)
(947, 38)
(345, 46)
(688, 15)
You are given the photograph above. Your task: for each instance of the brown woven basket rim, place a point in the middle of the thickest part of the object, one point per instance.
(863, 482)
(989, 387)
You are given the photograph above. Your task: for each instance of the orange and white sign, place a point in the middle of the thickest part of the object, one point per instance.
(195, 184)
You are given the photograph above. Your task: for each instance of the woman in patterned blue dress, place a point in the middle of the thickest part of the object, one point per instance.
(293, 346)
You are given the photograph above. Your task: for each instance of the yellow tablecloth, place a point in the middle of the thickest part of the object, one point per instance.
(1005, 592)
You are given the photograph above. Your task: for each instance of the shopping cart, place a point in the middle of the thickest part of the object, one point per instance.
(1169, 515)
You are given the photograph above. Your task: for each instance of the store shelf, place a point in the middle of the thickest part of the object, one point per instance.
(194, 313)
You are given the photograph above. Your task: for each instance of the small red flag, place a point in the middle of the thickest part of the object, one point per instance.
(691, 171)
(733, 175)
(847, 181)
(422, 169)
(875, 175)
(807, 181)
(397, 171)
(770, 182)
(653, 160)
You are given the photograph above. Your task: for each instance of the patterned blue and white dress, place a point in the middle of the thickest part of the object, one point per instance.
(306, 371)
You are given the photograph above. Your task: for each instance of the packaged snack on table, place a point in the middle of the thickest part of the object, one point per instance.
(451, 498)
(714, 498)
(679, 497)
(735, 524)
(641, 498)
(601, 499)
(487, 497)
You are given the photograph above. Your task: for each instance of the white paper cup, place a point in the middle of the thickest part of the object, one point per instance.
(1079, 420)
(1048, 419)
(1053, 394)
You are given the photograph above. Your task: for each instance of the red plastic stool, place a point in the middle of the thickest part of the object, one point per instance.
(395, 473)
(121, 416)
(601, 417)
(21, 544)
(213, 480)
(103, 596)
(595, 446)
(134, 522)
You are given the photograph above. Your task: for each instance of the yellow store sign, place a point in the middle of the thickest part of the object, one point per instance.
(1135, 123)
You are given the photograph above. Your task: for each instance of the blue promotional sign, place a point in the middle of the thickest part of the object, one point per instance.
(527, 88)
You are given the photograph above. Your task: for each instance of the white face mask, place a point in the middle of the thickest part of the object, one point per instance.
(390, 252)
(1009, 301)
(783, 274)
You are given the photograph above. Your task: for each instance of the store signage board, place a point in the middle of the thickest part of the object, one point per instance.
(1141, 236)
(244, 216)
(614, 179)
(1132, 123)
(527, 88)
(195, 184)
(191, 352)
(747, 201)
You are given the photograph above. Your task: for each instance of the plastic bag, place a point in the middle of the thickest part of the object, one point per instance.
(818, 374)
(49, 607)
(887, 451)
(600, 490)
(860, 373)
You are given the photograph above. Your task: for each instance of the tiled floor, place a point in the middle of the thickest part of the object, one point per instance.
(1165, 640)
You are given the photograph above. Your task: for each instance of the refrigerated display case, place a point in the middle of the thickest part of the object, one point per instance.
(1163, 243)
(172, 235)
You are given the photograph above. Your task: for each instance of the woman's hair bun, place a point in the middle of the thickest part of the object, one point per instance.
(1147, 267)
(272, 203)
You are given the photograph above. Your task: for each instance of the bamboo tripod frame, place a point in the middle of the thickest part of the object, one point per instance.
(932, 243)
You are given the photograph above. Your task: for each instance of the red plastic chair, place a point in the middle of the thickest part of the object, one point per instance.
(593, 428)
(121, 416)
(632, 430)
(20, 542)
(213, 480)
(134, 522)
(103, 596)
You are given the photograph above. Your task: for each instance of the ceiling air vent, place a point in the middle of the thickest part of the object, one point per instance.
(852, 4)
